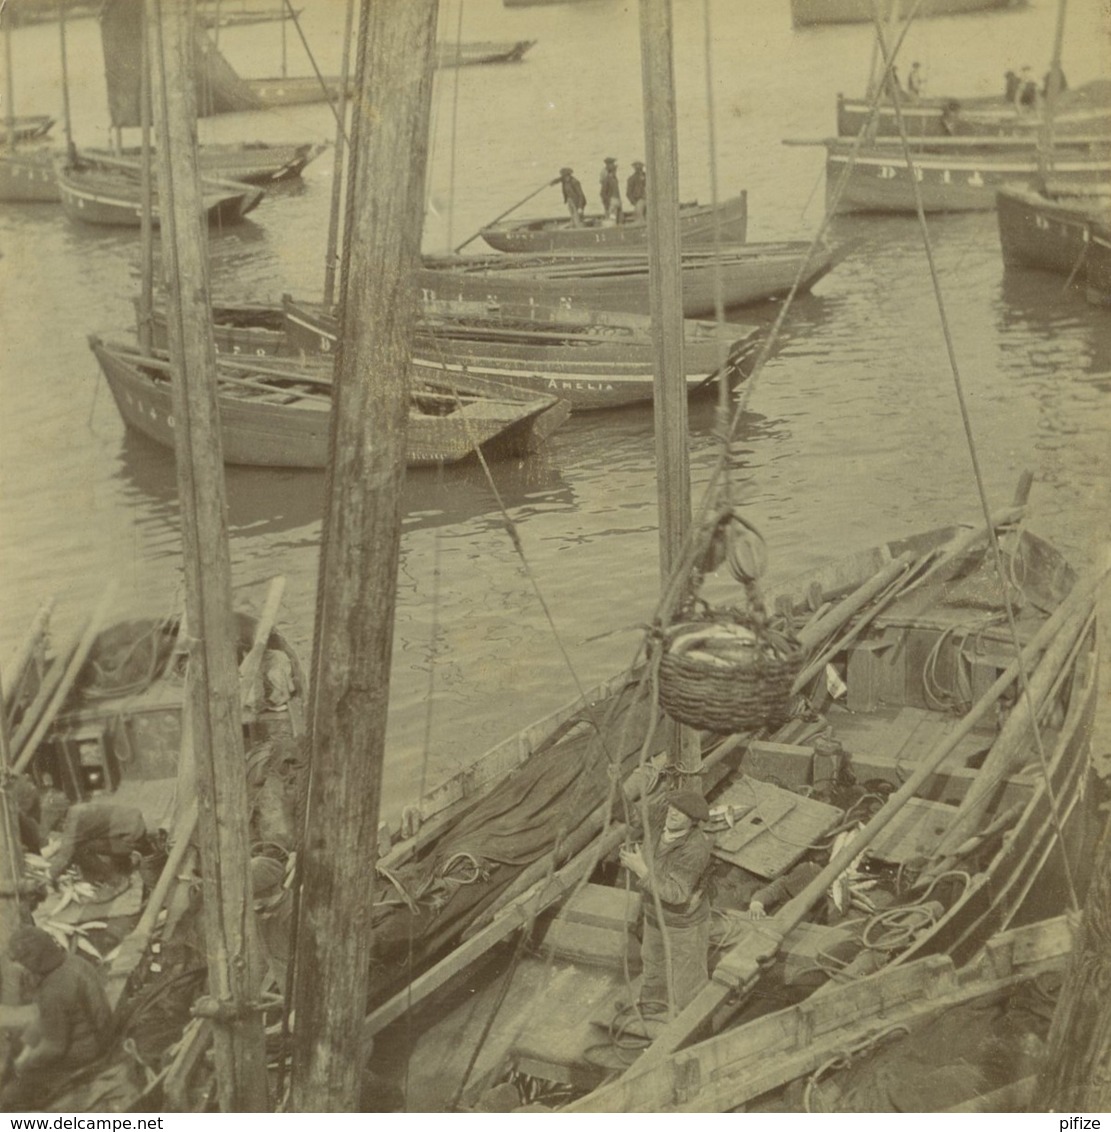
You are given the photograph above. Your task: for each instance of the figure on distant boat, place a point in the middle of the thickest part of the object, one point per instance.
(573, 195)
(1062, 82)
(916, 81)
(1027, 96)
(636, 190)
(611, 190)
(1011, 83)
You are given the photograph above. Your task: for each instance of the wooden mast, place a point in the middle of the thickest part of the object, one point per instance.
(70, 152)
(146, 215)
(9, 79)
(665, 300)
(359, 553)
(338, 164)
(212, 678)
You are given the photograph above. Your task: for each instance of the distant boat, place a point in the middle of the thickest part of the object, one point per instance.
(27, 176)
(26, 127)
(251, 163)
(473, 54)
(805, 13)
(108, 192)
(1053, 230)
(950, 179)
(1085, 109)
(698, 224)
(276, 413)
(217, 16)
(746, 273)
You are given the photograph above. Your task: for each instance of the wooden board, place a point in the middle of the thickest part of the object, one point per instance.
(773, 827)
(914, 832)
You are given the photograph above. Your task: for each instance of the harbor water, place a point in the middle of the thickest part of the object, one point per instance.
(853, 433)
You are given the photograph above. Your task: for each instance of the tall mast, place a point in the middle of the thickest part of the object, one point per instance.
(338, 163)
(1053, 89)
(359, 550)
(212, 679)
(146, 215)
(9, 78)
(65, 80)
(665, 298)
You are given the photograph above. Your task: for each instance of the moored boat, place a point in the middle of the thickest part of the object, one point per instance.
(484, 51)
(1099, 265)
(805, 13)
(27, 176)
(24, 127)
(1085, 109)
(275, 412)
(746, 273)
(904, 810)
(875, 177)
(250, 163)
(109, 192)
(698, 224)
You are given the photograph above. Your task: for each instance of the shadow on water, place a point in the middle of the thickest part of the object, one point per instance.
(264, 502)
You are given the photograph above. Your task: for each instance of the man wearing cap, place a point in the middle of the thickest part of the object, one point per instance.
(611, 190)
(636, 190)
(74, 1017)
(673, 872)
(573, 195)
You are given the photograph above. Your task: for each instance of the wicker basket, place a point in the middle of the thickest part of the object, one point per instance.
(729, 697)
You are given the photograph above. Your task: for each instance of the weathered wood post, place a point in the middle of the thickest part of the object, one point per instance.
(359, 552)
(212, 677)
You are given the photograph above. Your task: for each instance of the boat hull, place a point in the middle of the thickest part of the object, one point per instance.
(877, 179)
(749, 273)
(249, 163)
(698, 224)
(1098, 283)
(1054, 235)
(293, 432)
(806, 13)
(28, 178)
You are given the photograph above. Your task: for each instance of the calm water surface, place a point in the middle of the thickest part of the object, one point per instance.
(853, 435)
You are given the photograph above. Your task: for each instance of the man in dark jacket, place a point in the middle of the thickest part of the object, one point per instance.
(674, 871)
(610, 189)
(636, 190)
(573, 195)
(74, 1017)
(99, 838)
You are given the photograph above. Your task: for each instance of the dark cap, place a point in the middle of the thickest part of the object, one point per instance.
(611, 160)
(638, 164)
(566, 171)
(691, 803)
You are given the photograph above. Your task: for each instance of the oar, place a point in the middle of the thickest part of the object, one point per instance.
(23, 658)
(470, 239)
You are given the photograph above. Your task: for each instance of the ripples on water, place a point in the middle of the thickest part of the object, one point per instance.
(853, 433)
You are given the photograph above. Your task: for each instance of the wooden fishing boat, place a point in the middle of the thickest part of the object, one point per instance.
(855, 1046)
(250, 163)
(806, 13)
(109, 192)
(276, 414)
(25, 127)
(27, 176)
(590, 359)
(117, 727)
(906, 785)
(23, 13)
(483, 51)
(698, 224)
(223, 16)
(747, 273)
(1051, 230)
(875, 177)
(1084, 109)
(1099, 265)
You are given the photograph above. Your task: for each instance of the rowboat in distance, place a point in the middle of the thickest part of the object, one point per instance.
(1053, 230)
(250, 163)
(26, 127)
(951, 177)
(1085, 109)
(109, 192)
(601, 280)
(275, 412)
(906, 815)
(806, 13)
(698, 224)
(481, 52)
(980, 1029)
(591, 359)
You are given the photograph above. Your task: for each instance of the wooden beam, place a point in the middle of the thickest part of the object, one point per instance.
(360, 543)
(212, 679)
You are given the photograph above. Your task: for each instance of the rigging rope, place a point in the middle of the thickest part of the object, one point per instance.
(966, 420)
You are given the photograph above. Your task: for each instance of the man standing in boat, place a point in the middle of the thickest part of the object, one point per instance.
(611, 190)
(636, 190)
(573, 195)
(674, 872)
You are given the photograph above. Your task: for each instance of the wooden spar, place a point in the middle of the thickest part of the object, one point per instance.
(1053, 89)
(26, 741)
(330, 261)
(9, 79)
(251, 664)
(665, 305)
(740, 968)
(359, 552)
(146, 196)
(70, 152)
(234, 968)
(11, 872)
(29, 648)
